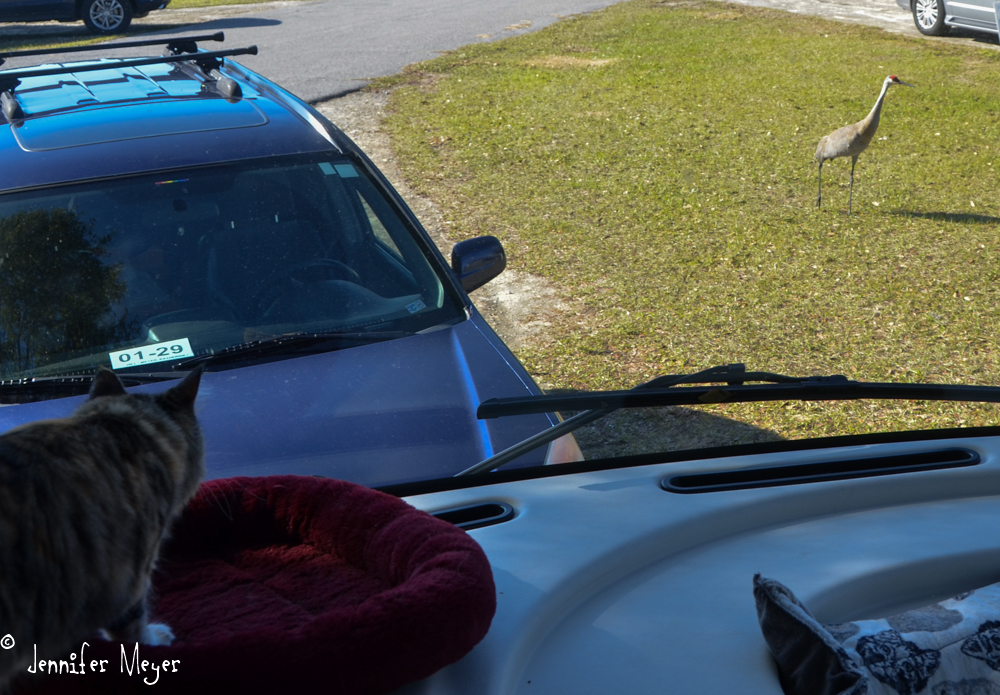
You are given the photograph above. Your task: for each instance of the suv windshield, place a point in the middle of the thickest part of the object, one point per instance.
(161, 268)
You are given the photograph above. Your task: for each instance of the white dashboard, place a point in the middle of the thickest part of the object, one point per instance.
(608, 583)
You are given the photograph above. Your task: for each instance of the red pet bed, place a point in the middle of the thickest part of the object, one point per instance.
(293, 584)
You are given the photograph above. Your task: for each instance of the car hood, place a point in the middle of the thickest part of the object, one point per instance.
(378, 414)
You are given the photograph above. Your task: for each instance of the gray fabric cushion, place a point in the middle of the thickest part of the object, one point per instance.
(949, 648)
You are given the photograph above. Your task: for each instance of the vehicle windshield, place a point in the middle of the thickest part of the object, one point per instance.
(142, 273)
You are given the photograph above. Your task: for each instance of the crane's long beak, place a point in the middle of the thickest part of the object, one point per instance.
(905, 84)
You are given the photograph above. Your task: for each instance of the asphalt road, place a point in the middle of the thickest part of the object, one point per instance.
(320, 49)
(325, 48)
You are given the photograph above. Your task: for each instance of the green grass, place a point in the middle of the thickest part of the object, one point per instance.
(655, 160)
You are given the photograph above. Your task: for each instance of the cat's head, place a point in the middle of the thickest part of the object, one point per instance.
(106, 384)
(176, 405)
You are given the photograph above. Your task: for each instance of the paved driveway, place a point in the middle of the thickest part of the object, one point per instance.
(320, 49)
(885, 14)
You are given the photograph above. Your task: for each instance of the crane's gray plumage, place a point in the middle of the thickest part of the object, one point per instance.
(852, 140)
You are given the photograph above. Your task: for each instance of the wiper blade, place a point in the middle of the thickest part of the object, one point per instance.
(733, 372)
(816, 388)
(289, 344)
(32, 389)
(662, 391)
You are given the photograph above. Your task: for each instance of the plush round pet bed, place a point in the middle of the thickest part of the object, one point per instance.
(293, 584)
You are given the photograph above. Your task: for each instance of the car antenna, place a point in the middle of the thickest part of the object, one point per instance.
(176, 45)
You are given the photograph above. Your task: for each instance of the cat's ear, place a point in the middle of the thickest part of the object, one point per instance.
(106, 383)
(185, 392)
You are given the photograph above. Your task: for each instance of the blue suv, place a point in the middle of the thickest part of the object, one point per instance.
(166, 212)
(100, 16)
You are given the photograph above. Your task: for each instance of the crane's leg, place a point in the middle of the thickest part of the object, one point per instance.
(850, 199)
(819, 196)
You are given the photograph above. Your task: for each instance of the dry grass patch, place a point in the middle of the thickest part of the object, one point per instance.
(561, 62)
(725, 15)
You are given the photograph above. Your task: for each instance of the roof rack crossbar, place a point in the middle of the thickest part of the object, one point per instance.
(9, 79)
(177, 44)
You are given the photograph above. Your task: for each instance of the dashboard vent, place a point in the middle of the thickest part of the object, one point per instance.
(477, 515)
(797, 474)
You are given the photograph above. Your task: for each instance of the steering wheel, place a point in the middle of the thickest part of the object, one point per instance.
(287, 279)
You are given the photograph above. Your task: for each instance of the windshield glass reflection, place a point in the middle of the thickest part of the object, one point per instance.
(134, 272)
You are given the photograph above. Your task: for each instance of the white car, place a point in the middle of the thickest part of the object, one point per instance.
(933, 17)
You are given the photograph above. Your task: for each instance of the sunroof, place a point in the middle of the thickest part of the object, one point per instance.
(91, 126)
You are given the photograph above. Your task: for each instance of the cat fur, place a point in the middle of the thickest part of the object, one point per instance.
(85, 502)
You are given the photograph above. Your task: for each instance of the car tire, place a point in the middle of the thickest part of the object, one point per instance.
(928, 15)
(107, 16)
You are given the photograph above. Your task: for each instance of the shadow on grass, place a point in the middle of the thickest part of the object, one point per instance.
(672, 428)
(963, 217)
(977, 36)
(649, 430)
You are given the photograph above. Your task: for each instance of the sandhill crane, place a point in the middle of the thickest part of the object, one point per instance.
(852, 140)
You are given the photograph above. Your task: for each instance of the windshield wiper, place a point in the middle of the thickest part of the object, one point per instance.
(661, 392)
(289, 344)
(42, 388)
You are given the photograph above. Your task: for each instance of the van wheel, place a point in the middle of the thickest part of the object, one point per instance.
(928, 15)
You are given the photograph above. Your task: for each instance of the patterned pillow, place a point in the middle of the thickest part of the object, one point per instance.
(950, 648)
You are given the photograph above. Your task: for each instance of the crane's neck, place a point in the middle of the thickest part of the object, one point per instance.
(871, 120)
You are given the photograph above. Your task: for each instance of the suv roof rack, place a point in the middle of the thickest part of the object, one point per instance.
(176, 45)
(208, 61)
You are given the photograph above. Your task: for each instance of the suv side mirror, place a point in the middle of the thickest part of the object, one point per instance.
(477, 261)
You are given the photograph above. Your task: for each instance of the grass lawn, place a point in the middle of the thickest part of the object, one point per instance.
(655, 160)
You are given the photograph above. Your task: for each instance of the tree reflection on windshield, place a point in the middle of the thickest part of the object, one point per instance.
(212, 259)
(56, 294)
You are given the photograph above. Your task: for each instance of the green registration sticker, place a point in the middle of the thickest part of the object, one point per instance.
(149, 354)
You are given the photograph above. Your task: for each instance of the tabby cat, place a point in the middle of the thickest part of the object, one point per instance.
(85, 502)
